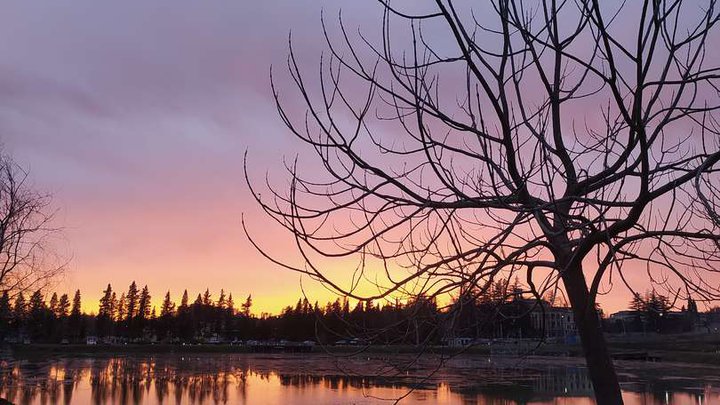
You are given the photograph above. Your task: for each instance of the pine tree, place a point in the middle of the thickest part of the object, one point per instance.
(230, 304)
(247, 305)
(144, 304)
(369, 304)
(121, 308)
(637, 303)
(113, 306)
(76, 310)
(105, 309)
(63, 306)
(5, 314)
(183, 302)
(53, 307)
(516, 289)
(221, 302)
(345, 308)
(168, 307)
(37, 304)
(499, 291)
(131, 300)
(106, 312)
(20, 310)
(76, 324)
(206, 298)
(37, 319)
(5, 310)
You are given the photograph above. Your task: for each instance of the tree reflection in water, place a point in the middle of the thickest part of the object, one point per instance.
(218, 379)
(121, 380)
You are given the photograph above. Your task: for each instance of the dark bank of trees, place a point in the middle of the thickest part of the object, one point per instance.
(499, 311)
(130, 316)
(652, 312)
(127, 316)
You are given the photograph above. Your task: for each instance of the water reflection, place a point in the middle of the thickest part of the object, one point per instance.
(283, 379)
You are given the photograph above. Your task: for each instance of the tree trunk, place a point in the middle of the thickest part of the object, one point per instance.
(599, 364)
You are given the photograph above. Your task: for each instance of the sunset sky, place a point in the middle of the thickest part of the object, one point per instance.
(135, 115)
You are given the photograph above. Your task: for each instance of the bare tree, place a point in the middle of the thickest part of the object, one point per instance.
(28, 258)
(572, 143)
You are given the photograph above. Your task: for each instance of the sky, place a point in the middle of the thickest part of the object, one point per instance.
(135, 116)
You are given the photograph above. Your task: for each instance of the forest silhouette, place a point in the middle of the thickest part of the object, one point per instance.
(497, 312)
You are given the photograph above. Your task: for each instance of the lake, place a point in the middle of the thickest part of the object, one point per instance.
(314, 379)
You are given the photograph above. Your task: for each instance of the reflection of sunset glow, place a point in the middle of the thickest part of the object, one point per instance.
(193, 379)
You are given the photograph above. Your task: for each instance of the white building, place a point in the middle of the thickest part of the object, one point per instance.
(554, 321)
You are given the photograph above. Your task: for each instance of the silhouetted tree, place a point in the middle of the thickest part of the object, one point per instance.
(207, 298)
(144, 304)
(27, 259)
(222, 300)
(105, 312)
(121, 308)
(184, 302)
(75, 321)
(652, 306)
(131, 301)
(19, 311)
(37, 304)
(560, 141)
(53, 305)
(167, 312)
(5, 315)
(63, 309)
(230, 305)
(183, 324)
(39, 317)
(76, 310)
(113, 306)
(105, 309)
(168, 307)
(247, 305)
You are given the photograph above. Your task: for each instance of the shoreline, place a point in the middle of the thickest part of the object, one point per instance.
(657, 349)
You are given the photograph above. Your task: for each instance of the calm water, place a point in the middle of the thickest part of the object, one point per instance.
(318, 379)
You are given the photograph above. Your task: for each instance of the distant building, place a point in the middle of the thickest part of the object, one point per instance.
(625, 316)
(554, 321)
(686, 320)
(519, 318)
(623, 322)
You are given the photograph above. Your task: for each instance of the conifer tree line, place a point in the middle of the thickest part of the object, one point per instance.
(129, 316)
